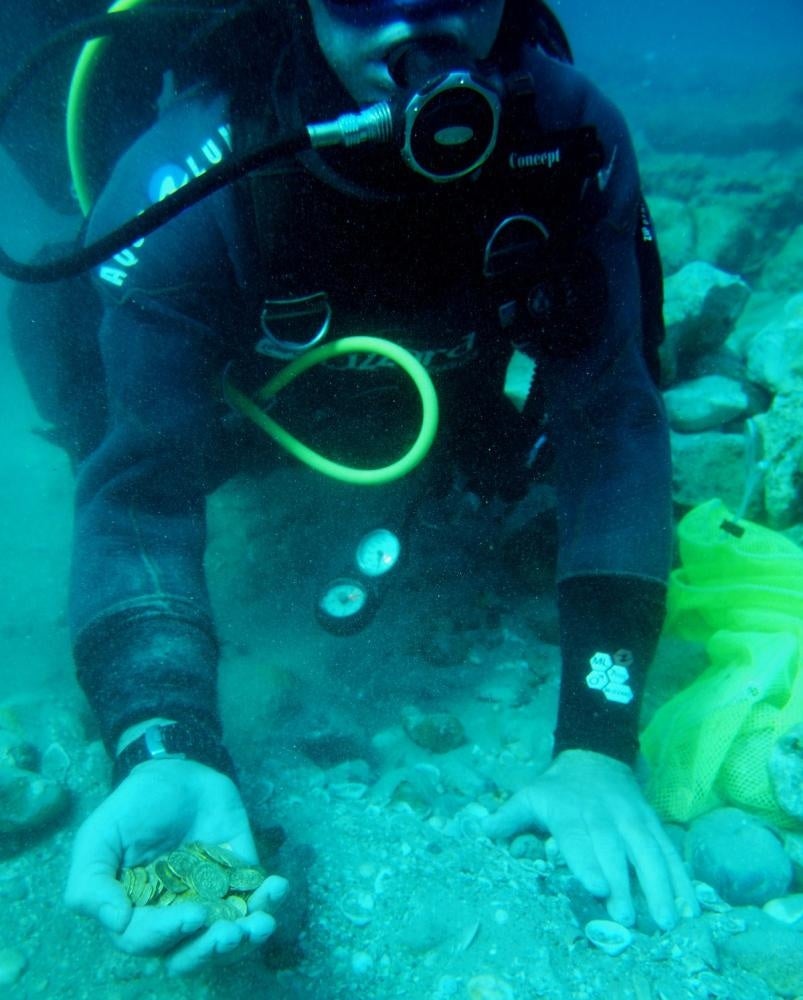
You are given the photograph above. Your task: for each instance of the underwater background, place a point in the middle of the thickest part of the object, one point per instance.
(394, 894)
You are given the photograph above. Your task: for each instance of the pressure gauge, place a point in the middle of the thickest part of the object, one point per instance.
(345, 605)
(378, 552)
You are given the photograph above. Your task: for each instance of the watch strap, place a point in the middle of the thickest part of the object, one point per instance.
(174, 741)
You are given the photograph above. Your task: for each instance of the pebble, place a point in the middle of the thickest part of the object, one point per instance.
(361, 963)
(447, 988)
(787, 909)
(28, 801)
(608, 936)
(12, 965)
(739, 857)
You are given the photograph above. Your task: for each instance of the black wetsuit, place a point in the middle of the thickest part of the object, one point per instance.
(537, 250)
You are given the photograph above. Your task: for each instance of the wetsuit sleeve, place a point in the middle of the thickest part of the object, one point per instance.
(613, 480)
(140, 615)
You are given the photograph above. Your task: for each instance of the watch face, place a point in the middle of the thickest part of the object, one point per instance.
(378, 552)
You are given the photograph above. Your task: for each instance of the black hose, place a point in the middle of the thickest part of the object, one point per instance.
(155, 216)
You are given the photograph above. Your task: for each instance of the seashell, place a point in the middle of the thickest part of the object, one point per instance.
(489, 988)
(349, 790)
(467, 936)
(709, 899)
(357, 907)
(608, 936)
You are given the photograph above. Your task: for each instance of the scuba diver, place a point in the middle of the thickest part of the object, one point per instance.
(502, 209)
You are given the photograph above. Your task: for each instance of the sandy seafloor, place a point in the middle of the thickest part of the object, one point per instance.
(392, 900)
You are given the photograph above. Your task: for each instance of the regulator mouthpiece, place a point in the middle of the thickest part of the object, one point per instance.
(445, 120)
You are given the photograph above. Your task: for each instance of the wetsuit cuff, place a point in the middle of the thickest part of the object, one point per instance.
(609, 632)
(146, 662)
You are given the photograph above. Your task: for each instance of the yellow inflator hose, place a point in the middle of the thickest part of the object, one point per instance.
(318, 355)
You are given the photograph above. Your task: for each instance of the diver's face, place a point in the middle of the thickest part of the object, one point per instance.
(357, 52)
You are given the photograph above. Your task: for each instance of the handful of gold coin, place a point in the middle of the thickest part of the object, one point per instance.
(195, 873)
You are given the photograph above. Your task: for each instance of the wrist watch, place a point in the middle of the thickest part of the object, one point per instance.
(174, 741)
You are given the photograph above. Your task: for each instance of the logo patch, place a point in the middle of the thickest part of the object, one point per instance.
(610, 675)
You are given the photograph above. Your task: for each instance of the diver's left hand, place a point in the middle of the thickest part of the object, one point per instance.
(593, 807)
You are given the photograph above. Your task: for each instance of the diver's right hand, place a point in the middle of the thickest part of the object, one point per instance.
(159, 806)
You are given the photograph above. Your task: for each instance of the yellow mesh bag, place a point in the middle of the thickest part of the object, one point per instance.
(741, 595)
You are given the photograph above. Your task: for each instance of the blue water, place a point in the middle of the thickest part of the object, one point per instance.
(680, 34)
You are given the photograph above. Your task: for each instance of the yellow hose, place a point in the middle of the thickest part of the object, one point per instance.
(77, 97)
(318, 355)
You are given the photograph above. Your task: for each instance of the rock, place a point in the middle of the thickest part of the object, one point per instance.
(675, 229)
(786, 771)
(12, 965)
(437, 732)
(28, 801)
(695, 939)
(739, 857)
(700, 308)
(775, 353)
(705, 465)
(784, 272)
(608, 936)
(783, 455)
(725, 361)
(768, 950)
(793, 845)
(706, 403)
(725, 235)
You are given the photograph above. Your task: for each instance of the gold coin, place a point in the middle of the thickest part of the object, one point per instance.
(210, 881)
(183, 863)
(143, 893)
(221, 855)
(246, 879)
(168, 877)
(219, 909)
(238, 904)
(127, 881)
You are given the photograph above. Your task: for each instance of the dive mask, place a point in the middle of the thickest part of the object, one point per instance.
(373, 12)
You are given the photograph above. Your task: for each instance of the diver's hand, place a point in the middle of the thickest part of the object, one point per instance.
(593, 807)
(159, 806)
